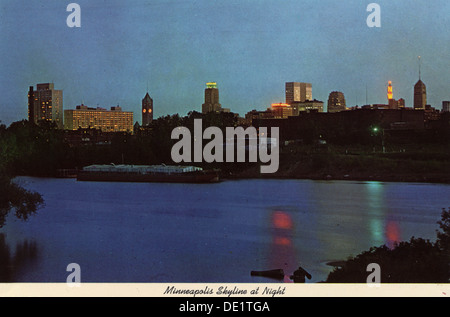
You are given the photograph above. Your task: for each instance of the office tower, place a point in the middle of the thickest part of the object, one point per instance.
(114, 120)
(298, 92)
(336, 102)
(420, 92)
(147, 110)
(420, 95)
(445, 106)
(45, 103)
(211, 99)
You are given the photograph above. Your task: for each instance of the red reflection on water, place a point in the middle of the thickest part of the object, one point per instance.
(282, 241)
(282, 254)
(392, 233)
(281, 220)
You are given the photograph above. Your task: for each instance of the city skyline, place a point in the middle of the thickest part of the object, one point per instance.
(250, 51)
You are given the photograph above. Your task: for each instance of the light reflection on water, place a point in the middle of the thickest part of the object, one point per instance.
(375, 201)
(133, 232)
(283, 254)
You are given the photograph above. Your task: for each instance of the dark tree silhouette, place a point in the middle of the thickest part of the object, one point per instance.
(416, 261)
(14, 146)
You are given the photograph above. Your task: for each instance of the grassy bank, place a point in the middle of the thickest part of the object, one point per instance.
(338, 163)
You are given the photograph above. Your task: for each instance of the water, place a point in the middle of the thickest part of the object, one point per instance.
(212, 233)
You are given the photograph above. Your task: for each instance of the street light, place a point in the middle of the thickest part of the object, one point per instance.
(375, 130)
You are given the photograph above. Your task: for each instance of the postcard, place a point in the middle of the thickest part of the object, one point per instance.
(227, 148)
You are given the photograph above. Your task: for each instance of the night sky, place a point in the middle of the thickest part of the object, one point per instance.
(249, 47)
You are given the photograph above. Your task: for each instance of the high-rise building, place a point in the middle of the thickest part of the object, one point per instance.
(336, 102)
(445, 106)
(298, 92)
(390, 94)
(45, 103)
(84, 117)
(147, 110)
(420, 92)
(211, 99)
(420, 95)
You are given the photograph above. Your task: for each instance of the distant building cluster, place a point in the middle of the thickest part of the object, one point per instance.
(301, 113)
(298, 99)
(46, 103)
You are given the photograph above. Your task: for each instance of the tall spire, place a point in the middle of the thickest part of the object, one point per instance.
(420, 91)
(419, 69)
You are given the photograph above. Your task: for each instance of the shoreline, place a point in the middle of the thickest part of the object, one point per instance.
(359, 179)
(425, 179)
(421, 178)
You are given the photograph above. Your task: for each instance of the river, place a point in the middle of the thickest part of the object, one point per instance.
(212, 233)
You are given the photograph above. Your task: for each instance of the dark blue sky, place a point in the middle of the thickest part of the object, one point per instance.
(249, 47)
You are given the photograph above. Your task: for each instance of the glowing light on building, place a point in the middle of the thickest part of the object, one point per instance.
(390, 94)
(211, 103)
(281, 110)
(279, 105)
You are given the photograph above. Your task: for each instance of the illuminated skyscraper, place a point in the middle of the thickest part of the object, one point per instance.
(211, 99)
(45, 103)
(336, 102)
(390, 94)
(147, 110)
(298, 92)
